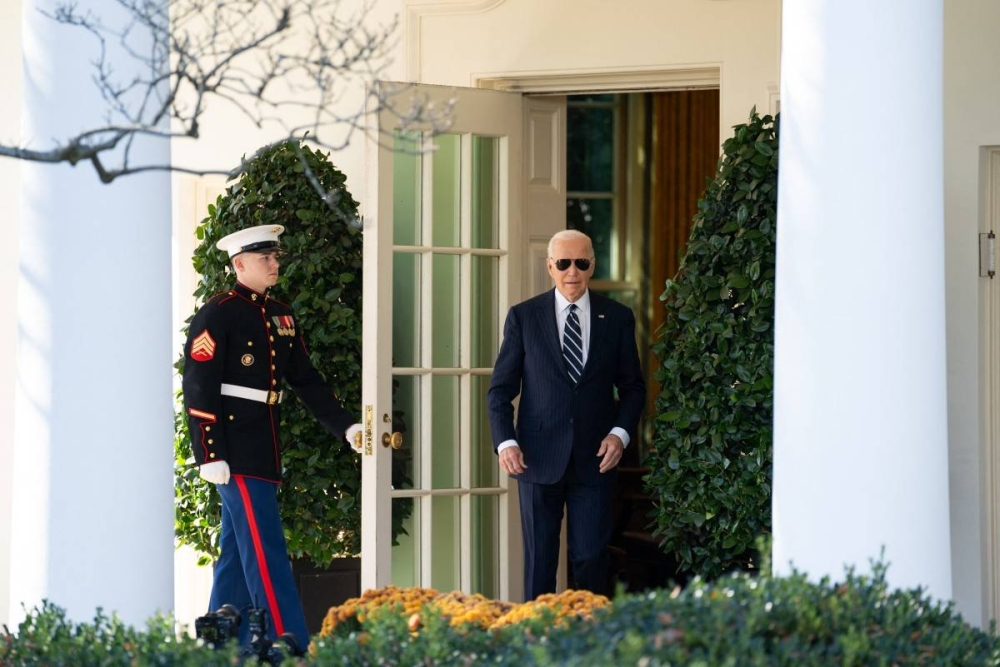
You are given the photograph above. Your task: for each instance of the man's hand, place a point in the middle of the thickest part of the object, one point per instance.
(512, 460)
(611, 449)
(354, 437)
(216, 472)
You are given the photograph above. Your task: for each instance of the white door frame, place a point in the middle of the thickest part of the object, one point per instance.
(605, 79)
(989, 297)
(486, 113)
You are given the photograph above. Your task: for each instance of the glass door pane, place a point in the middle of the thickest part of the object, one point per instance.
(406, 179)
(485, 192)
(406, 550)
(447, 192)
(406, 294)
(485, 545)
(445, 432)
(445, 546)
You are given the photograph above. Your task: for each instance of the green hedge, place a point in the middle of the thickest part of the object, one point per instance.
(47, 638)
(710, 459)
(739, 620)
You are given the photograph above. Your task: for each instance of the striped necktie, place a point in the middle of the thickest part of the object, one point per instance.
(573, 345)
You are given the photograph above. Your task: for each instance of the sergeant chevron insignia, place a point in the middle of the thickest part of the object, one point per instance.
(203, 347)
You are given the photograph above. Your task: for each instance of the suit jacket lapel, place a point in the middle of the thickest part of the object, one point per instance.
(550, 331)
(598, 330)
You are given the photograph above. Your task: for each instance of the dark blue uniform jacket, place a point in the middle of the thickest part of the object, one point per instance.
(247, 339)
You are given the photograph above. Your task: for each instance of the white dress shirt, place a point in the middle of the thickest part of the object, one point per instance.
(583, 314)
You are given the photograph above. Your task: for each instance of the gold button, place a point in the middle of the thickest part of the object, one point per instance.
(273, 382)
(211, 456)
(262, 309)
(273, 353)
(231, 418)
(210, 441)
(208, 428)
(268, 326)
(249, 343)
(253, 296)
(272, 337)
(273, 367)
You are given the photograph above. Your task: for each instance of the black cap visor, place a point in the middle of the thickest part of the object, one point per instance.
(261, 247)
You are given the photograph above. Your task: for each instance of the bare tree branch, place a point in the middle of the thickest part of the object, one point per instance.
(283, 64)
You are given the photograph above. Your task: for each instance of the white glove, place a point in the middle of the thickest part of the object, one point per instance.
(354, 437)
(216, 472)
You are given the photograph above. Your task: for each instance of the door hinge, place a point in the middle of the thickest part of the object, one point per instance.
(987, 255)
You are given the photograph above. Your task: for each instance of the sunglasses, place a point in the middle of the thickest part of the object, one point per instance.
(563, 264)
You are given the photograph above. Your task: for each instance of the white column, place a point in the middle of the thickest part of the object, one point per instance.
(860, 437)
(92, 481)
(10, 206)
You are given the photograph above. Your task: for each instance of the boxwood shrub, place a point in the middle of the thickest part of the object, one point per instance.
(740, 619)
(48, 638)
(737, 620)
(710, 460)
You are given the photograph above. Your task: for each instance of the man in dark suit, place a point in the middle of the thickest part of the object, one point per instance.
(565, 352)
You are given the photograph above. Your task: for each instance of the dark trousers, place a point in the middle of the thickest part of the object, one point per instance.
(253, 569)
(589, 525)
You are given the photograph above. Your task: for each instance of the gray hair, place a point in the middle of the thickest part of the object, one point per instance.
(570, 235)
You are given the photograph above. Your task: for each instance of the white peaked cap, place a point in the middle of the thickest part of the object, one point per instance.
(251, 239)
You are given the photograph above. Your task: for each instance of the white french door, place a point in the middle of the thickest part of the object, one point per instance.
(442, 218)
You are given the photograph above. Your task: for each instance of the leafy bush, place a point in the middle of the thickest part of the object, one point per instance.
(47, 638)
(740, 619)
(787, 621)
(321, 281)
(711, 454)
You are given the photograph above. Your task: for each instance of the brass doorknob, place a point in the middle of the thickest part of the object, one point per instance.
(395, 440)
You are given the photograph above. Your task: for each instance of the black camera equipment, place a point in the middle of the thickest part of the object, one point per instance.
(217, 627)
(262, 647)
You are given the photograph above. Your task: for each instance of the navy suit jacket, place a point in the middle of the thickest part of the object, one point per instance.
(556, 418)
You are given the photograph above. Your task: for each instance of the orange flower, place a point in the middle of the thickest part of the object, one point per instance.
(472, 611)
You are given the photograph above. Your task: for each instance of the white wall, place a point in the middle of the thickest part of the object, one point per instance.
(455, 43)
(10, 204)
(227, 136)
(971, 100)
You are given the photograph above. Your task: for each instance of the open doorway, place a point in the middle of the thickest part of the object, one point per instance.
(636, 165)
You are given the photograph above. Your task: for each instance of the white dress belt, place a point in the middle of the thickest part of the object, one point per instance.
(259, 395)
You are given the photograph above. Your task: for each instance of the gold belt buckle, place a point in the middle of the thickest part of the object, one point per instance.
(272, 397)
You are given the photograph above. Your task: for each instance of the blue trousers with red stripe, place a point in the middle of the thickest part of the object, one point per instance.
(253, 569)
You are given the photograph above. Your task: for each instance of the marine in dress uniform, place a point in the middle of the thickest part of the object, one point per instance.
(242, 347)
